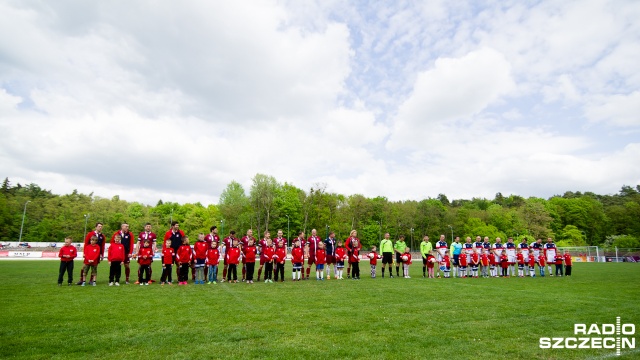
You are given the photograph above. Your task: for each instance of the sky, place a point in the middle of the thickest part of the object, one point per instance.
(404, 99)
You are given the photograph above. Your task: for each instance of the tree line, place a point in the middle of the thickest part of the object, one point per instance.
(573, 219)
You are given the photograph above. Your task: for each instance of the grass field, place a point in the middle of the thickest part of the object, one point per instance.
(372, 318)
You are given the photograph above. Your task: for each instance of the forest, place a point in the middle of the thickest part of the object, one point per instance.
(572, 219)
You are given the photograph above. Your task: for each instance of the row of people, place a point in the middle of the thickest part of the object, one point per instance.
(174, 239)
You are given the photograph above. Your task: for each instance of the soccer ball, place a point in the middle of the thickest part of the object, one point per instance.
(405, 258)
(432, 260)
(371, 255)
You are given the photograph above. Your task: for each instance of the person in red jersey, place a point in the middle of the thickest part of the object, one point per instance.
(504, 264)
(67, 253)
(200, 249)
(531, 261)
(431, 262)
(520, 261)
(279, 259)
(567, 263)
(406, 263)
(233, 259)
(321, 259)
(462, 262)
(176, 237)
(445, 264)
(297, 260)
(559, 259)
(145, 255)
(128, 242)
(91, 259)
(249, 259)
(484, 261)
(493, 263)
(117, 254)
(354, 260)
(373, 261)
(351, 244)
(269, 252)
(168, 258)
(100, 241)
(262, 244)
(213, 259)
(244, 242)
(184, 256)
(312, 244)
(228, 244)
(146, 234)
(210, 238)
(542, 263)
(475, 262)
(341, 256)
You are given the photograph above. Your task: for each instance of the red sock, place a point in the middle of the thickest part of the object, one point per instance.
(127, 271)
(82, 275)
(348, 272)
(193, 274)
(206, 272)
(259, 273)
(224, 273)
(308, 270)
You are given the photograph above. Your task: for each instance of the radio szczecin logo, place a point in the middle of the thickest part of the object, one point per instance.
(611, 336)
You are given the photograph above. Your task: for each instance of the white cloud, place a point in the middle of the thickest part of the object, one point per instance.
(454, 89)
(618, 110)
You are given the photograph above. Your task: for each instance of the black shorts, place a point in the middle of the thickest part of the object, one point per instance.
(398, 258)
(455, 259)
(387, 258)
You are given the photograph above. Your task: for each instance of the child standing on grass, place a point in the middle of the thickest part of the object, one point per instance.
(567, 263)
(431, 262)
(462, 262)
(233, 259)
(297, 260)
(200, 254)
(268, 252)
(542, 263)
(405, 264)
(321, 259)
(213, 259)
(249, 255)
(183, 258)
(493, 262)
(475, 261)
(145, 255)
(559, 259)
(484, 261)
(373, 262)
(279, 260)
(504, 264)
(531, 261)
(115, 258)
(168, 257)
(66, 254)
(91, 259)
(341, 255)
(446, 265)
(520, 261)
(354, 261)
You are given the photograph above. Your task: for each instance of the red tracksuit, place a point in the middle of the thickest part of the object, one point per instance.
(200, 248)
(116, 253)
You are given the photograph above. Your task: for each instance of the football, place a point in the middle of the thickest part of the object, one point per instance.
(405, 258)
(371, 255)
(432, 260)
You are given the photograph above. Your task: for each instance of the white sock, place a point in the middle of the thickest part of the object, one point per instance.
(321, 274)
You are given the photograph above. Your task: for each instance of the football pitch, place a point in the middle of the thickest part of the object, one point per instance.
(335, 319)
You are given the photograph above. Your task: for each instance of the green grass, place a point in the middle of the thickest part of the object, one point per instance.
(372, 318)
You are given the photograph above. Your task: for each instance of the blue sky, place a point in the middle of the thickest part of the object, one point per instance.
(399, 99)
